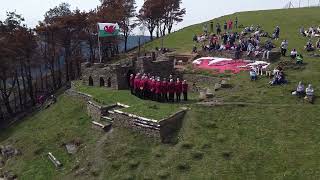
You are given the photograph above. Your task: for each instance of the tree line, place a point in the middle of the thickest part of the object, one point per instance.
(43, 59)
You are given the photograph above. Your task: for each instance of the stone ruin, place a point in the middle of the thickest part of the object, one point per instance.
(116, 76)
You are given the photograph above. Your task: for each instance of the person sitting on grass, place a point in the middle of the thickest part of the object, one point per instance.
(299, 90)
(194, 49)
(293, 54)
(195, 38)
(253, 75)
(309, 94)
(309, 47)
(267, 49)
(302, 32)
(250, 49)
(279, 79)
(299, 59)
(318, 44)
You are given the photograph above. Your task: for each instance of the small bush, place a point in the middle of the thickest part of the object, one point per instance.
(227, 155)
(163, 174)
(38, 151)
(221, 138)
(206, 146)
(183, 166)
(115, 166)
(133, 164)
(158, 154)
(153, 107)
(212, 125)
(187, 145)
(95, 172)
(197, 155)
(128, 177)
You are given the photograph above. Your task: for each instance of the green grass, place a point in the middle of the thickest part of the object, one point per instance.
(149, 109)
(45, 132)
(277, 141)
(289, 21)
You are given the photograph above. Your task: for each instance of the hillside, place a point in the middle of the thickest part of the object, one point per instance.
(289, 21)
(271, 135)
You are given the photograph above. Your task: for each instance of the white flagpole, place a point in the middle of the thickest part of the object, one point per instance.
(99, 46)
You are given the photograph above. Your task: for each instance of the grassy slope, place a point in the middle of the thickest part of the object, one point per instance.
(264, 142)
(289, 21)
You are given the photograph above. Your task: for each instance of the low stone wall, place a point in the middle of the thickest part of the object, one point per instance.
(171, 125)
(274, 56)
(162, 130)
(80, 95)
(96, 111)
(150, 129)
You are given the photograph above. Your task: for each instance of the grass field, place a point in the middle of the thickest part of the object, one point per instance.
(275, 137)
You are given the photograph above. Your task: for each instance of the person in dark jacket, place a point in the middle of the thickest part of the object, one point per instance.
(131, 82)
(185, 90)
(165, 90)
(178, 88)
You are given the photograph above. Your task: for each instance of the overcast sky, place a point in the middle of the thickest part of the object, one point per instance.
(197, 10)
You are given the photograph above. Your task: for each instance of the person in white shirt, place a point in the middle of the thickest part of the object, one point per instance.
(293, 54)
(309, 94)
(300, 89)
(253, 75)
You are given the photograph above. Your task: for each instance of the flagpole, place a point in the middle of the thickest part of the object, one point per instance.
(99, 46)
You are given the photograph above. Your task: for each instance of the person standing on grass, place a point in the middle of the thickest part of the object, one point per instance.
(178, 87)
(236, 23)
(141, 87)
(158, 90)
(152, 89)
(225, 26)
(171, 90)
(146, 87)
(136, 84)
(131, 82)
(165, 90)
(218, 28)
(277, 33)
(284, 47)
(185, 90)
(230, 25)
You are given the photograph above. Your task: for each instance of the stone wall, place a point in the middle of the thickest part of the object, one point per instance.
(171, 125)
(162, 130)
(80, 95)
(275, 55)
(113, 76)
(163, 66)
(150, 129)
(96, 111)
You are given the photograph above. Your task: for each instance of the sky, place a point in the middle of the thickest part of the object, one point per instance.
(197, 10)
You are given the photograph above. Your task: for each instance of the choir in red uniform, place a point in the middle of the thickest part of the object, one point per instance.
(153, 88)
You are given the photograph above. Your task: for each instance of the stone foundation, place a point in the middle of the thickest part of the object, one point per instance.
(162, 130)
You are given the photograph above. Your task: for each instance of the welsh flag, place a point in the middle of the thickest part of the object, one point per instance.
(108, 29)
